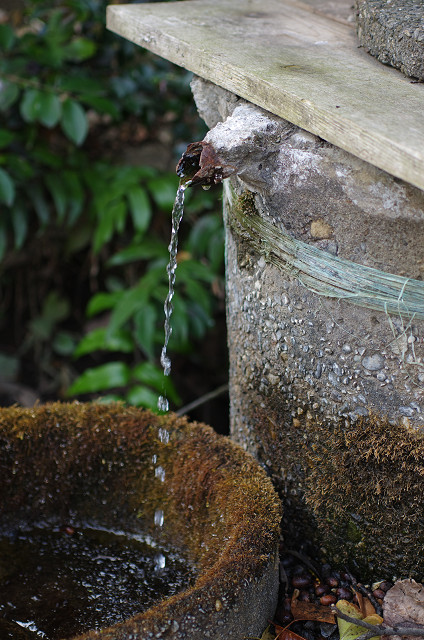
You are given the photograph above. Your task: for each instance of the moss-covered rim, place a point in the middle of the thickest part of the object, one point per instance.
(95, 462)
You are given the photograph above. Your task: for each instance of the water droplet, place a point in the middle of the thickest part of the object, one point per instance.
(160, 473)
(159, 518)
(160, 561)
(163, 435)
(163, 404)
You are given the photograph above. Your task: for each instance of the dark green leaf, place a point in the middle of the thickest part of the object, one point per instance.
(31, 105)
(141, 396)
(9, 93)
(19, 224)
(145, 326)
(75, 194)
(194, 270)
(103, 302)
(81, 84)
(19, 167)
(50, 109)
(3, 241)
(55, 309)
(180, 324)
(6, 137)
(63, 343)
(109, 398)
(140, 208)
(130, 302)
(111, 217)
(7, 188)
(106, 376)
(7, 37)
(80, 49)
(102, 105)
(163, 190)
(150, 374)
(74, 121)
(199, 294)
(143, 250)
(47, 157)
(98, 340)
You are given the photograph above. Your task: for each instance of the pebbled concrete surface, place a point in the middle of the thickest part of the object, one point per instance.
(393, 32)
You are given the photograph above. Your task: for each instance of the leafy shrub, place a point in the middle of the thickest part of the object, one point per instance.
(71, 95)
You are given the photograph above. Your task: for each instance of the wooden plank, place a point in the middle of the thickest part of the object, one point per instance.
(305, 68)
(339, 10)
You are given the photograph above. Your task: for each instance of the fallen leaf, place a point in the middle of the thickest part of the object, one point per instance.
(374, 619)
(349, 630)
(267, 634)
(310, 611)
(349, 609)
(284, 633)
(403, 606)
(365, 605)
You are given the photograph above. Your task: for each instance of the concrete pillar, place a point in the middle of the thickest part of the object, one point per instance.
(327, 393)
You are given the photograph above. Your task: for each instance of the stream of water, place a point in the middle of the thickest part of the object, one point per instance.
(165, 360)
(177, 214)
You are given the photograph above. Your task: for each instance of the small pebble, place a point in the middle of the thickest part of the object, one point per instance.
(322, 589)
(301, 581)
(379, 593)
(344, 594)
(332, 581)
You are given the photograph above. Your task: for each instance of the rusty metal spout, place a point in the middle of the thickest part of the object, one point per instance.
(201, 165)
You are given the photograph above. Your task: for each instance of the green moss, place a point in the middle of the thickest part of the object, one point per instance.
(353, 532)
(326, 471)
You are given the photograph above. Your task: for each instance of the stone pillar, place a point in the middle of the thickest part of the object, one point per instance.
(327, 393)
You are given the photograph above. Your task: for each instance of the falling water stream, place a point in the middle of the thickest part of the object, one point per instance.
(177, 214)
(163, 403)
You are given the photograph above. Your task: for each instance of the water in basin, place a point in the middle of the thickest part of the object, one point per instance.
(57, 582)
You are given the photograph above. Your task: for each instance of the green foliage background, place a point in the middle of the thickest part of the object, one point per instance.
(83, 235)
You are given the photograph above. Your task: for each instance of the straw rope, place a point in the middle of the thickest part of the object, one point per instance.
(329, 275)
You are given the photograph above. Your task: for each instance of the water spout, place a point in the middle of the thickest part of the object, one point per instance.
(236, 146)
(201, 164)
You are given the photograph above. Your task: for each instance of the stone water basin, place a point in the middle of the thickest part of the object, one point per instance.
(86, 465)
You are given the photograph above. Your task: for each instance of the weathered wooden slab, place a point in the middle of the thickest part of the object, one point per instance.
(303, 66)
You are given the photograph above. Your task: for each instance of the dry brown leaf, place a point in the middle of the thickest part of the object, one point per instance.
(403, 606)
(310, 611)
(284, 633)
(365, 606)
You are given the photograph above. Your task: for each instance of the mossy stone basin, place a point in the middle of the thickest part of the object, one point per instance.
(94, 463)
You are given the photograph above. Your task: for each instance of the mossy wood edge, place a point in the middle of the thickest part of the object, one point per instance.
(303, 67)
